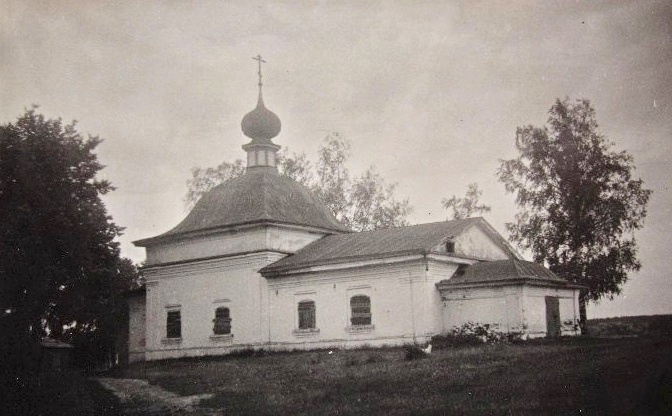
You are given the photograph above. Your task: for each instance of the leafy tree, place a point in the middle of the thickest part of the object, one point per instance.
(333, 185)
(580, 204)
(296, 166)
(468, 206)
(202, 180)
(362, 203)
(60, 263)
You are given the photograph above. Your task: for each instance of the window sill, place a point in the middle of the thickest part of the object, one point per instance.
(171, 341)
(308, 332)
(360, 329)
(227, 338)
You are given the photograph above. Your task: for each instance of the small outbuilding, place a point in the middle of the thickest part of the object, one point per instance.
(131, 337)
(56, 355)
(511, 295)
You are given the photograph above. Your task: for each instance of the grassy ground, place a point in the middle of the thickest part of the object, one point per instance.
(579, 376)
(67, 393)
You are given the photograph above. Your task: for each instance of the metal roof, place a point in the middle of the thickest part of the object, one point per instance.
(260, 195)
(415, 239)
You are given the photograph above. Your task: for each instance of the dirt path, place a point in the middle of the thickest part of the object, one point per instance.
(138, 397)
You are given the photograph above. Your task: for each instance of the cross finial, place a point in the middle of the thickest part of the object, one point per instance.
(260, 60)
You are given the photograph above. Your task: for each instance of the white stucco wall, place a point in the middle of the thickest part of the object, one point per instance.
(498, 307)
(475, 243)
(196, 290)
(402, 298)
(516, 308)
(272, 238)
(534, 309)
(136, 329)
(436, 271)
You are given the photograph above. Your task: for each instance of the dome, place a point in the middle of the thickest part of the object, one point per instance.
(260, 123)
(257, 196)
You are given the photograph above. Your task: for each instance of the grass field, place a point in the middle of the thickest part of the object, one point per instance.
(69, 393)
(578, 376)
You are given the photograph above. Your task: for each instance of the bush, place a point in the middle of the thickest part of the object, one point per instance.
(470, 334)
(413, 352)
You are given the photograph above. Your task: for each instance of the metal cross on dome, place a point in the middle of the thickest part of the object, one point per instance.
(260, 60)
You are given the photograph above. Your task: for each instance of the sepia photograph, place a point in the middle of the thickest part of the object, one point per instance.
(335, 207)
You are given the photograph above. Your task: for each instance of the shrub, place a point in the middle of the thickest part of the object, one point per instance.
(413, 352)
(471, 333)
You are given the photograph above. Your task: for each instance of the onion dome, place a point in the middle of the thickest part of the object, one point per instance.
(260, 123)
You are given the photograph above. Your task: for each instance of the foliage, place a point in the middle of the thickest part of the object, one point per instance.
(468, 206)
(414, 352)
(60, 263)
(202, 180)
(579, 204)
(472, 333)
(362, 203)
(296, 167)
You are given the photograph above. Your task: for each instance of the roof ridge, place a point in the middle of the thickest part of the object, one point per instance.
(517, 266)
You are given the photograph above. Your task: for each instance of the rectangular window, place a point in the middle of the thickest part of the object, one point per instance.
(174, 325)
(360, 310)
(222, 321)
(307, 314)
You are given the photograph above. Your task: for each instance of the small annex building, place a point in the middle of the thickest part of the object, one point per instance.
(130, 343)
(56, 355)
(260, 262)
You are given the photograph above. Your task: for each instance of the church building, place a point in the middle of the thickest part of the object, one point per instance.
(261, 263)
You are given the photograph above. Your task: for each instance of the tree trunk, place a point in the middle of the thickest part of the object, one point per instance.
(583, 317)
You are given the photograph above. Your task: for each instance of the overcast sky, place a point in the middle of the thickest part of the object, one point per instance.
(429, 92)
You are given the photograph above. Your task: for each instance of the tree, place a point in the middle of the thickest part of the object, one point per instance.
(468, 206)
(362, 203)
(60, 261)
(296, 167)
(580, 205)
(202, 180)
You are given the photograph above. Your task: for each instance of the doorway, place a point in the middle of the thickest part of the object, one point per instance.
(552, 317)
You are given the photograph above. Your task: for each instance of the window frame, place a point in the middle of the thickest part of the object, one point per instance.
(174, 326)
(365, 318)
(307, 315)
(223, 322)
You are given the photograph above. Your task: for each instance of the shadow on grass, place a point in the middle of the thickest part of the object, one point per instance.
(68, 393)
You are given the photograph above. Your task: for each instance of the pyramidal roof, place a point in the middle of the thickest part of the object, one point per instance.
(503, 272)
(258, 196)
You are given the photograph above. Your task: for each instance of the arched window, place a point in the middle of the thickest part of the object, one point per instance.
(222, 321)
(306, 314)
(360, 310)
